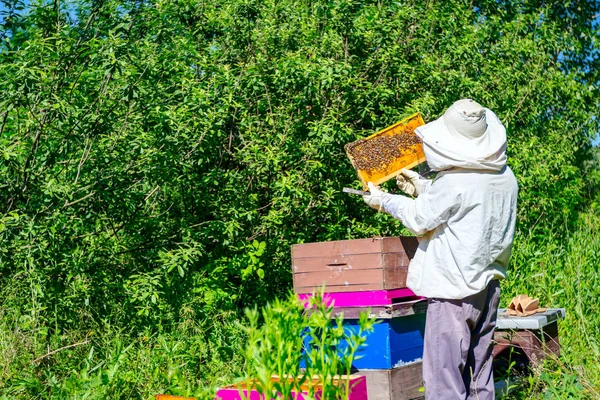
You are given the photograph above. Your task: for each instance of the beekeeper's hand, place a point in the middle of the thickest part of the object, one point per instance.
(412, 183)
(375, 198)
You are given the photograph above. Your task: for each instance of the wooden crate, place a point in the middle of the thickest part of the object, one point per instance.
(401, 383)
(534, 337)
(406, 383)
(352, 265)
(536, 344)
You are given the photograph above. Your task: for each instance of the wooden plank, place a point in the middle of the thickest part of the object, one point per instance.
(339, 278)
(351, 280)
(337, 247)
(402, 244)
(364, 287)
(403, 309)
(401, 383)
(394, 278)
(344, 262)
(341, 262)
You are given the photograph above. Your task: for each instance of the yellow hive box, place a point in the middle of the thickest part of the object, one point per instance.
(380, 157)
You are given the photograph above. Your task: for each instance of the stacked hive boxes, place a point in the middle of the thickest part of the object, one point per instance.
(370, 274)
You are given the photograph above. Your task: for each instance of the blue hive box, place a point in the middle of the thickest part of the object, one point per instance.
(393, 343)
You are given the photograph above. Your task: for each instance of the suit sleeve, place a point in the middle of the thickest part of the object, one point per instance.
(425, 213)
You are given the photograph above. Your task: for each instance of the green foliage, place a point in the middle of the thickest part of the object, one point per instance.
(564, 274)
(148, 148)
(192, 360)
(275, 348)
(159, 158)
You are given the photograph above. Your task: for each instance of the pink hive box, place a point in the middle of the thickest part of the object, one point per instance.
(358, 391)
(371, 298)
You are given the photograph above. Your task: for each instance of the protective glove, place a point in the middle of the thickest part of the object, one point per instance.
(412, 183)
(374, 199)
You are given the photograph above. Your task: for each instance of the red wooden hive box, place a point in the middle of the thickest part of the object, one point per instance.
(352, 265)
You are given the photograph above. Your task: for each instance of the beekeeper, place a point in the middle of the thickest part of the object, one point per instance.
(466, 217)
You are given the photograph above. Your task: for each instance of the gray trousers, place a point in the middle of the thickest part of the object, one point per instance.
(457, 359)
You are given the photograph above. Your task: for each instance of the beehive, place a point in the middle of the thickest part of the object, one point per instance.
(393, 342)
(381, 156)
(352, 265)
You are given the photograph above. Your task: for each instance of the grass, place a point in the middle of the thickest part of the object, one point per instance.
(564, 274)
(190, 361)
(112, 364)
(194, 358)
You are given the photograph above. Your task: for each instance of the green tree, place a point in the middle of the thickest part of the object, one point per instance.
(163, 156)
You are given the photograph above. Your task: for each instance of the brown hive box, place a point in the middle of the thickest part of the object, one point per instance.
(352, 265)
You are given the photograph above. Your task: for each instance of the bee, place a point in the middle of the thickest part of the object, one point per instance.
(376, 153)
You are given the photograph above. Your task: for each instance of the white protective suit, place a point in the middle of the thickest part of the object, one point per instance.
(467, 216)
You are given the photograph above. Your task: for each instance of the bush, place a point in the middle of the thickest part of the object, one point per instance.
(159, 159)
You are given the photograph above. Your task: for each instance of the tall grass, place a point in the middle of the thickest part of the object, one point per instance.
(564, 273)
(190, 361)
(197, 356)
(110, 363)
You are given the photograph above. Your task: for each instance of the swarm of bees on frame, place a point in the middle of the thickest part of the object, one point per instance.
(377, 153)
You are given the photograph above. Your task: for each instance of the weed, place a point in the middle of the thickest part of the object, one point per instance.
(290, 335)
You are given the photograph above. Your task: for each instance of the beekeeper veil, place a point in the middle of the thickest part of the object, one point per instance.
(466, 136)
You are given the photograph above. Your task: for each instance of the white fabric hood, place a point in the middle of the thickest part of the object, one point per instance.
(446, 149)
